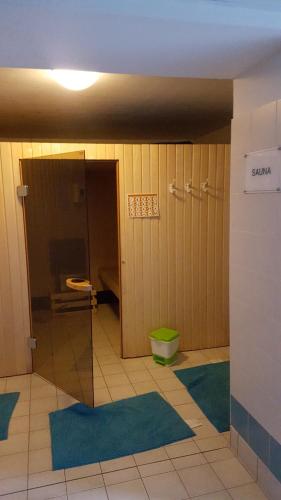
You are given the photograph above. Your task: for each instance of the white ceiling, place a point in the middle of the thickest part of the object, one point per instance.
(116, 108)
(187, 38)
(212, 39)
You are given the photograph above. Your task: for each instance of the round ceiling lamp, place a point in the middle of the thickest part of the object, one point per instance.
(74, 80)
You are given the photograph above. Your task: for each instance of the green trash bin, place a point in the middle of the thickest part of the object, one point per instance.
(164, 345)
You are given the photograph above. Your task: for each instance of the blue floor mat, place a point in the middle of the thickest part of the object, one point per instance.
(7, 405)
(210, 388)
(82, 435)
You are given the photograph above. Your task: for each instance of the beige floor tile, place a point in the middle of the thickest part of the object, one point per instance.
(118, 464)
(121, 392)
(167, 486)
(21, 409)
(40, 460)
(102, 396)
(84, 484)
(170, 384)
(132, 490)
(150, 456)
(65, 401)
(231, 473)
(24, 395)
(99, 383)
(178, 397)
(205, 430)
(44, 405)
(132, 365)
(216, 455)
(108, 360)
(226, 436)
(39, 439)
(97, 494)
(211, 443)
(44, 391)
(17, 443)
(140, 376)
(196, 357)
(37, 381)
(247, 492)
(46, 492)
(156, 468)
(215, 353)
(112, 369)
(188, 461)
(186, 447)
(18, 383)
(19, 425)
(45, 478)
(200, 480)
(189, 411)
(149, 362)
(121, 476)
(2, 384)
(218, 495)
(39, 421)
(22, 495)
(145, 387)
(12, 485)
(83, 471)
(13, 465)
(116, 380)
(97, 371)
(162, 373)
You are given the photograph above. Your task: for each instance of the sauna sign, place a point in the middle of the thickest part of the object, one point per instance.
(263, 171)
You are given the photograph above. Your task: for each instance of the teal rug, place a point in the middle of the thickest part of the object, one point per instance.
(82, 435)
(7, 405)
(209, 386)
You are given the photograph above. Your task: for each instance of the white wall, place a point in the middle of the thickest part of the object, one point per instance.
(158, 37)
(255, 255)
(259, 85)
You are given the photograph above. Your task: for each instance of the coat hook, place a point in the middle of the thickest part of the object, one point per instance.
(204, 186)
(172, 187)
(188, 187)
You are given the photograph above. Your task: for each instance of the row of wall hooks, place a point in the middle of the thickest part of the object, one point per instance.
(204, 186)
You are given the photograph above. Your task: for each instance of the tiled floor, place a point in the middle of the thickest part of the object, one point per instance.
(202, 467)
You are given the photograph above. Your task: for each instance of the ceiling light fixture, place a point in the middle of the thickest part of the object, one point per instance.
(74, 80)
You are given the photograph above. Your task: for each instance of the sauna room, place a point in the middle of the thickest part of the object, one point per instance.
(144, 219)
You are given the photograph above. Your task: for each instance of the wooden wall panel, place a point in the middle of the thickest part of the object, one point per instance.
(174, 269)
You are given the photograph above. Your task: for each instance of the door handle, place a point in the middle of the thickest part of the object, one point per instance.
(79, 284)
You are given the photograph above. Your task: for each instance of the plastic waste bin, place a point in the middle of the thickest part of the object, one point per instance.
(164, 345)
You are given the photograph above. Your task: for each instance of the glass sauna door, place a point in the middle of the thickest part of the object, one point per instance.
(56, 225)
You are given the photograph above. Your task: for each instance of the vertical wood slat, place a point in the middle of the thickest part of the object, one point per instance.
(211, 242)
(163, 234)
(179, 240)
(203, 228)
(219, 333)
(175, 268)
(154, 242)
(187, 248)
(195, 243)
(171, 218)
(138, 256)
(147, 283)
